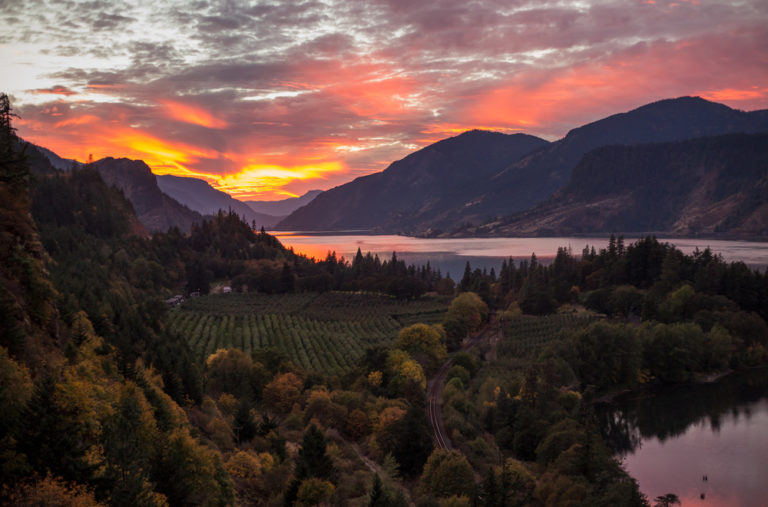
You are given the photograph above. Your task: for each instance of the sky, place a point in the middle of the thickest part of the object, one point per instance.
(269, 99)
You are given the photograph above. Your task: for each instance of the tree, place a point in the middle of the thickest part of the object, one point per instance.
(414, 444)
(447, 473)
(313, 460)
(378, 496)
(667, 500)
(423, 340)
(465, 315)
(59, 439)
(312, 463)
(244, 426)
(130, 433)
(314, 491)
(283, 392)
(13, 170)
(231, 371)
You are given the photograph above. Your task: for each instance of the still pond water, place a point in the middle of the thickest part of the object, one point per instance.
(670, 440)
(451, 254)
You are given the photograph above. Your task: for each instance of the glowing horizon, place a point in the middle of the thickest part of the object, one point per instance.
(271, 100)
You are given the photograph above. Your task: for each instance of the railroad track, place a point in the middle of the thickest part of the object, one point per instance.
(435, 391)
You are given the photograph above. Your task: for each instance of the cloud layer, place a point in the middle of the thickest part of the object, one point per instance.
(267, 99)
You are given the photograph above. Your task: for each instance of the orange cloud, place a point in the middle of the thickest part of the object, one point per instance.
(56, 90)
(78, 120)
(193, 114)
(729, 94)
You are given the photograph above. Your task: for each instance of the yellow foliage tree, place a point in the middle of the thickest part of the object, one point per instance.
(283, 392)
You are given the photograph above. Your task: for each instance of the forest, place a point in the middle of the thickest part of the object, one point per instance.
(308, 385)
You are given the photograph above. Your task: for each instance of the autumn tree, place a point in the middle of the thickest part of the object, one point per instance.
(423, 341)
(283, 391)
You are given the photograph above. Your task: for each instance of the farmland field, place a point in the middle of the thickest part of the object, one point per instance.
(526, 334)
(327, 332)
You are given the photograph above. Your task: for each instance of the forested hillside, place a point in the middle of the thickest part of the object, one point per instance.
(713, 185)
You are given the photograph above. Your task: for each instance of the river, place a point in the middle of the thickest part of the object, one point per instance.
(451, 254)
(670, 440)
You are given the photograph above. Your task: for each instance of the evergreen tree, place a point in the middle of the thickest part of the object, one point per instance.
(378, 496)
(55, 439)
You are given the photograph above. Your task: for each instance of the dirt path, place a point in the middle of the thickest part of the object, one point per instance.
(376, 468)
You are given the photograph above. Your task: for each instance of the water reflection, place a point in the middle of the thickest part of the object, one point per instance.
(451, 254)
(670, 439)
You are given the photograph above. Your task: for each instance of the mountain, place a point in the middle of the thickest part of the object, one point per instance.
(156, 210)
(62, 164)
(457, 181)
(705, 186)
(283, 207)
(420, 192)
(199, 196)
(537, 176)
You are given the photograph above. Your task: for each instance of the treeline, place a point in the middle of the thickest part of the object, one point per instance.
(625, 281)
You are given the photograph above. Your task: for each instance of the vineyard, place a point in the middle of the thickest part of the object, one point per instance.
(525, 334)
(327, 332)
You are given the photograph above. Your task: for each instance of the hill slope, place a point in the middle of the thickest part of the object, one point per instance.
(421, 191)
(199, 196)
(700, 186)
(154, 209)
(537, 176)
(283, 207)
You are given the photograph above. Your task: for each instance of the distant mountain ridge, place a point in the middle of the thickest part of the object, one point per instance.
(283, 207)
(703, 186)
(537, 176)
(380, 202)
(417, 192)
(200, 196)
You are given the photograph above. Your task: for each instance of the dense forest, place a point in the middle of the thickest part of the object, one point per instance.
(106, 403)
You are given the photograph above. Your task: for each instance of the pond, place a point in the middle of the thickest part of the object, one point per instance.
(671, 439)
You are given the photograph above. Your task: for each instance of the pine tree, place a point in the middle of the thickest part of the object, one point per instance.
(13, 170)
(378, 496)
(55, 439)
(313, 460)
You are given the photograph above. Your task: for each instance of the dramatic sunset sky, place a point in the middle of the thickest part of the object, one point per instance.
(268, 99)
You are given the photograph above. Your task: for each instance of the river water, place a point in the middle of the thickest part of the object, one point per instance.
(670, 440)
(451, 254)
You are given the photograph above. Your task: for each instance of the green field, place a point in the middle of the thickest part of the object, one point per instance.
(526, 334)
(327, 332)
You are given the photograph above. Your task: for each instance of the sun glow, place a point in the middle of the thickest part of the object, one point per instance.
(259, 181)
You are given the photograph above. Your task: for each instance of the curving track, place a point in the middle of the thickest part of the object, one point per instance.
(435, 391)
